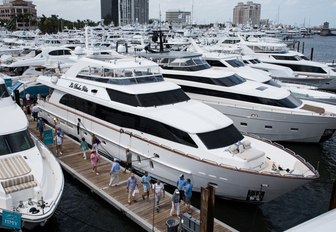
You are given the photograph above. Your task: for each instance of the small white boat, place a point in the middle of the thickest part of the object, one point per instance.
(31, 179)
(325, 222)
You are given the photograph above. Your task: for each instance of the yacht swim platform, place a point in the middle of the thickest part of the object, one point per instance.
(141, 212)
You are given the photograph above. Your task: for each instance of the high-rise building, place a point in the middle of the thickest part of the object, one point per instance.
(178, 17)
(123, 12)
(19, 13)
(248, 13)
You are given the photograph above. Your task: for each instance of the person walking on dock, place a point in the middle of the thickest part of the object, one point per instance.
(128, 165)
(145, 181)
(132, 188)
(181, 183)
(95, 143)
(58, 142)
(188, 194)
(94, 161)
(175, 203)
(35, 111)
(159, 193)
(40, 127)
(84, 147)
(114, 180)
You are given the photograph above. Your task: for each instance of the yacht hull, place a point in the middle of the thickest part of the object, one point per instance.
(166, 163)
(276, 126)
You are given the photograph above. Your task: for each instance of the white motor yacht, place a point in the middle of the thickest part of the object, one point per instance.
(127, 104)
(270, 112)
(31, 179)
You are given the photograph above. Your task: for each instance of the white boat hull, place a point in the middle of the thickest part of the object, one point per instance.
(230, 182)
(273, 125)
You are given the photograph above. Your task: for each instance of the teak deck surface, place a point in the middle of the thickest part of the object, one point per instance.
(141, 211)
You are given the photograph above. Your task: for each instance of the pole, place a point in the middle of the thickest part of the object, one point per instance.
(298, 47)
(207, 209)
(302, 48)
(332, 204)
(311, 53)
(153, 209)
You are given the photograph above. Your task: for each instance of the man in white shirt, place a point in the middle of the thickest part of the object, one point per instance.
(159, 193)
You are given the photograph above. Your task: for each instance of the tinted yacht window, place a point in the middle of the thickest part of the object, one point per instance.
(221, 138)
(224, 81)
(128, 120)
(15, 142)
(288, 102)
(163, 98)
(3, 91)
(235, 63)
(149, 99)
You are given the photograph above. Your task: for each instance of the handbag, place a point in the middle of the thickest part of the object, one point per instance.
(135, 192)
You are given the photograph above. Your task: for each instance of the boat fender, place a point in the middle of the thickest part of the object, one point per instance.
(241, 148)
(233, 149)
(247, 144)
(54, 79)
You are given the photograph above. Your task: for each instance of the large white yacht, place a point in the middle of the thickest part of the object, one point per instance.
(31, 178)
(268, 111)
(127, 104)
(308, 72)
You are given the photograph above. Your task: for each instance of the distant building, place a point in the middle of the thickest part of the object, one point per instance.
(325, 31)
(248, 13)
(124, 12)
(178, 17)
(19, 12)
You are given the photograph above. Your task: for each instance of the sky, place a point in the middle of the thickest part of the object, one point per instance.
(291, 12)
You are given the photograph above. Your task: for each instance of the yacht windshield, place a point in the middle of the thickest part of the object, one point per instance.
(3, 91)
(15, 142)
(185, 64)
(221, 138)
(227, 81)
(235, 63)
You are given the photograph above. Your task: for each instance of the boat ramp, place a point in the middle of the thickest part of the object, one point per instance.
(141, 212)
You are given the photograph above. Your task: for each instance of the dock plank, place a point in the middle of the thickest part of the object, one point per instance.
(141, 211)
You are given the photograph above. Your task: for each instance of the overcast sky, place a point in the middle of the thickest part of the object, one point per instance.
(293, 12)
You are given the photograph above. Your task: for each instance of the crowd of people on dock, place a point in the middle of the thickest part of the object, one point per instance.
(182, 193)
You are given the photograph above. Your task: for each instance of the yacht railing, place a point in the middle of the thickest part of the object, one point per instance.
(300, 158)
(301, 112)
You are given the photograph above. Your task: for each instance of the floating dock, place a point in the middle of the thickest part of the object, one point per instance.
(141, 212)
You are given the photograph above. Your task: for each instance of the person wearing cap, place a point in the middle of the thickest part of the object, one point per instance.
(145, 181)
(175, 203)
(114, 172)
(188, 194)
(181, 183)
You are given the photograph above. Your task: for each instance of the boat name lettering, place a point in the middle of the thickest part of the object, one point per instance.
(78, 86)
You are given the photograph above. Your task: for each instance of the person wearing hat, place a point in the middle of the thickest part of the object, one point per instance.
(181, 183)
(175, 203)
(114, 172)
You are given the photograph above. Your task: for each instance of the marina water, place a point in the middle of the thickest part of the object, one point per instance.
(83, 211)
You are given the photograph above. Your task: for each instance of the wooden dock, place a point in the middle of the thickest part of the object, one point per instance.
(141, 212)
